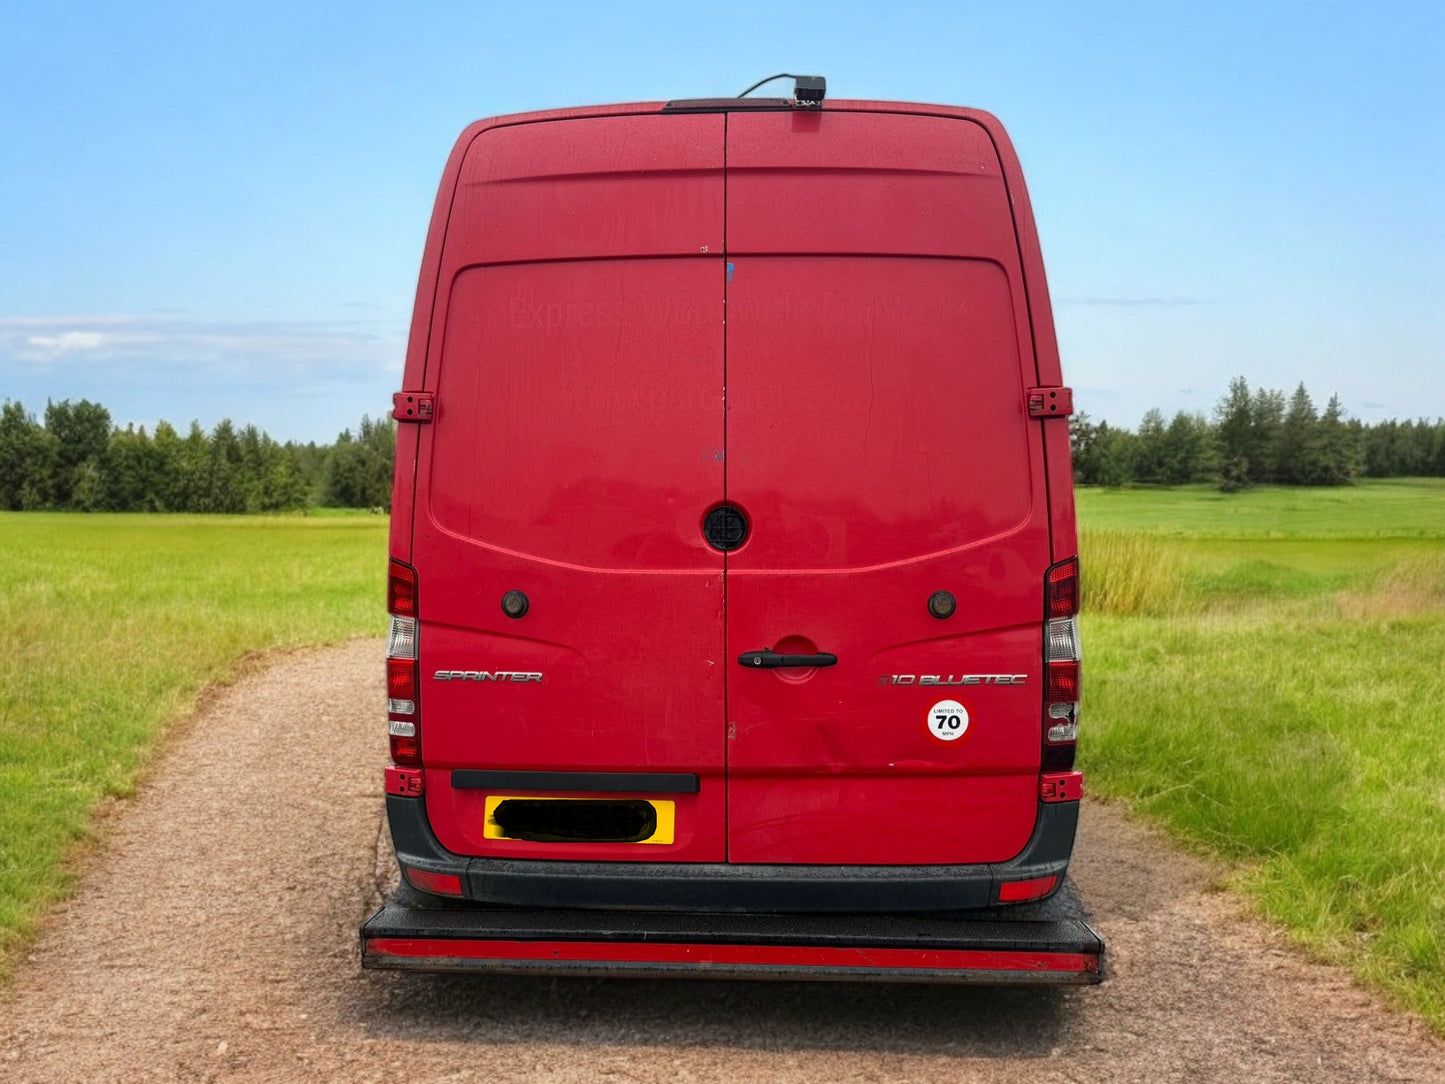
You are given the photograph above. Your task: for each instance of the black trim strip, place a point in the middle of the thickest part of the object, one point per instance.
(729, 105)
(609, 782)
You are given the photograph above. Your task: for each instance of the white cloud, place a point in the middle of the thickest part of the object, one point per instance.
(297, 379)
(67, 341)
(226, 350)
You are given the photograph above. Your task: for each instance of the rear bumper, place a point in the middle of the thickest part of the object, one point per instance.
(723, 887)
(1055, 946)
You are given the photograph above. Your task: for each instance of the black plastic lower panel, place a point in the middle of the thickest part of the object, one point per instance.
(724, 887)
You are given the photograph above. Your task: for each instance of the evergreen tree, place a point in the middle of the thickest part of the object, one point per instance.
(358, 471)
(28, 460)
(1115, 455)
(82, 435)
(1234, 436)
(192, 472)
(257, 453)
(1299, 454)
(1339, 451)
(1189, 452)
(1082, 433)
(1266, 415)
(225, 489)
(169, 451)
(1381, 448)
(1151, 450)
(283, 488)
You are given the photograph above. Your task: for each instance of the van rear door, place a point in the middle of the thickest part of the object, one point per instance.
(878, 444)
(577, 365)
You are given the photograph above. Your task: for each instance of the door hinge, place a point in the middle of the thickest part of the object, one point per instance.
(412, 406)
(1051, 402)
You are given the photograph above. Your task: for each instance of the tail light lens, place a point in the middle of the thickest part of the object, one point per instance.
(1062, 658)
(403, 693)
(1061, 589)
(401, 590)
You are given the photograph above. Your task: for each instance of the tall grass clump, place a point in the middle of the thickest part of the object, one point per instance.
(1413, 585)
(1128, 573)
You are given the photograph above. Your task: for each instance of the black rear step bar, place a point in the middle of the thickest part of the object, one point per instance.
(1047, 944)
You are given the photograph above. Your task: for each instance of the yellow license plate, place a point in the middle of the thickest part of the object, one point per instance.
(579, 820)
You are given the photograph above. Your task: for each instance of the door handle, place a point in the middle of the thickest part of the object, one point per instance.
(767, 659)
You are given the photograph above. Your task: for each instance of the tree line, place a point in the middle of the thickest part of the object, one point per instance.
(77, 459)
(1258, 436)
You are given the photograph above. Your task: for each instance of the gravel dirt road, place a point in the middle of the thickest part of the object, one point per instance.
(214, 938)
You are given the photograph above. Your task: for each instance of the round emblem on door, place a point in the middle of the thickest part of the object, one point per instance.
(725, 528)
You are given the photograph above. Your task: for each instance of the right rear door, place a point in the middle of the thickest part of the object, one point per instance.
(878, 442)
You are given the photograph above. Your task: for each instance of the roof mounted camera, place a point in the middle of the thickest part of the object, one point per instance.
(808, 93)
(808, 90)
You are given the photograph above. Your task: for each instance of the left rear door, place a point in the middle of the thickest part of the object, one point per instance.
(576, 449)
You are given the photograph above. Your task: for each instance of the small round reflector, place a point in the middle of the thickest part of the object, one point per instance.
(941, 604)
(515, 604)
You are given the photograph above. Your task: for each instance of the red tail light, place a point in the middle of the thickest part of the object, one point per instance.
(1063, 682)
(1062, 679)
(401, 590)
(1061, 589)
(401, 681)
(406, 750)
(403, 678)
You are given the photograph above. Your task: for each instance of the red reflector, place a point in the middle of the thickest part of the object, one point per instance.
(401, 589)
(448, 953)
(441, 884)
(404, 782)
(1063, 683)
(1061, 589)
(1061, 786)
(401, 679)
(406, 751)
(1013, 891)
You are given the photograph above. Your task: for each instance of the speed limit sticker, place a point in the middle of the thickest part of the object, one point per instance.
(948, 720)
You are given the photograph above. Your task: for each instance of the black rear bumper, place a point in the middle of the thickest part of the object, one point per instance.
(1043, 944)
(723, 887)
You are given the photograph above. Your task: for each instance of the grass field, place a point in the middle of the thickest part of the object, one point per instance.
(110, 626)
(1263, 673)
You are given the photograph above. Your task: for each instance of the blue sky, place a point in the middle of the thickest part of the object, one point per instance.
(212, 209)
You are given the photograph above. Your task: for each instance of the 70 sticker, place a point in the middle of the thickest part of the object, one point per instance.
(948, 720)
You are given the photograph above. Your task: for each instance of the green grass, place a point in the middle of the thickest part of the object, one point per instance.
(109, 627)
(1383, 508)
(1264, 678)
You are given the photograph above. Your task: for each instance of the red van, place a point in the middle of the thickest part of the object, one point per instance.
(733, 557)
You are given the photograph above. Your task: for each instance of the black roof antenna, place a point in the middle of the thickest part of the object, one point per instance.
(808, 90)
